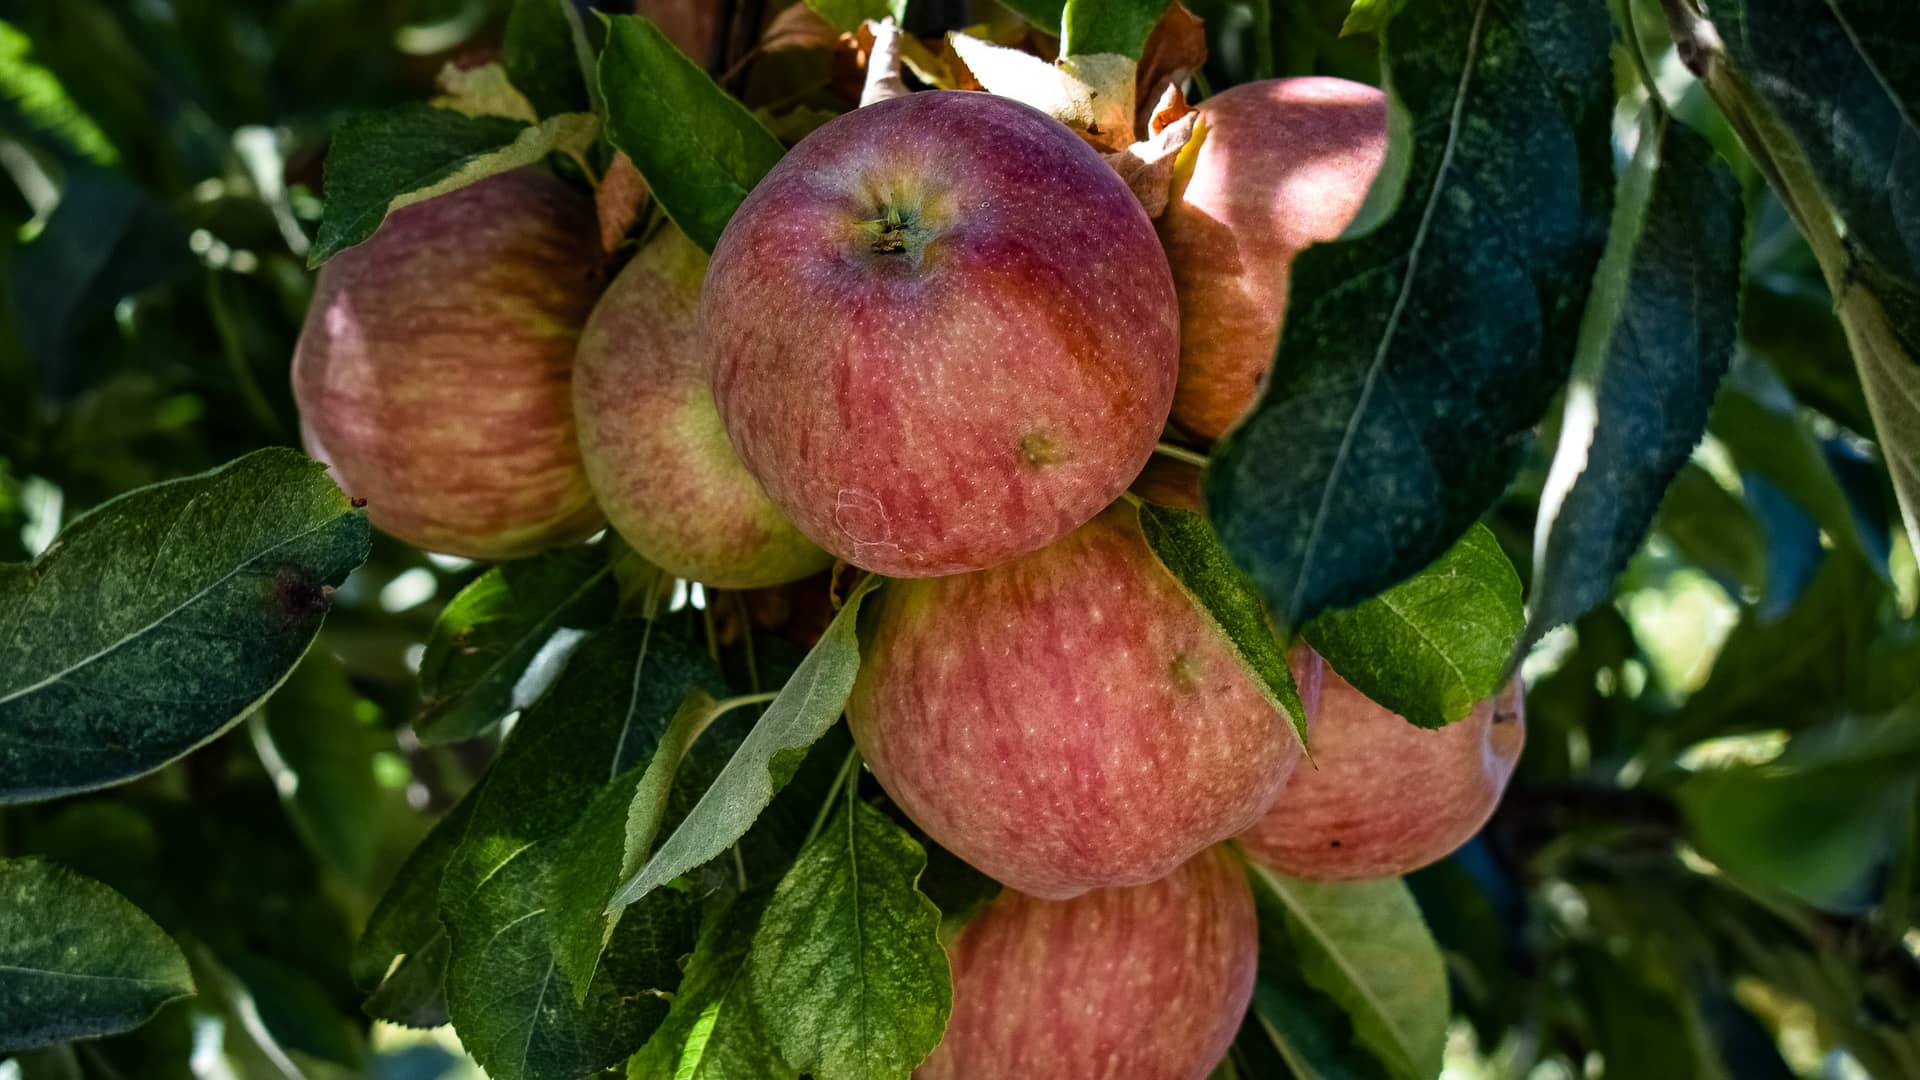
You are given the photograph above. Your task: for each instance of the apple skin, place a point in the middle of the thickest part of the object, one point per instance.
(1386, 797)
(1067, 720)
(967, 384)
(433, 370)
(655, 452)
(1148, 982)
(1284, 163)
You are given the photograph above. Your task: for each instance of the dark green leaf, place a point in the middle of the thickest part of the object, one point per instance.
(848, 971)
(1363, 944)
(161, 617)
(714, 1030)
(1187, 547)
(547, 56)
(513, 1008)
(847, 15)
(320, 756)
(1714, 528)
(1045, 14)
(485, 638)
(381, 161)
(1090, 27)
(1658, 336)
(78, 959)
(1815, 821)
(401, 957)
(808, 705)
(699, 149)
(1435, 645)
(1415, 359)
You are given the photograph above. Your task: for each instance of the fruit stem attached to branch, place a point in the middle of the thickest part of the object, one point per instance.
(833, 793)
(1180, 453)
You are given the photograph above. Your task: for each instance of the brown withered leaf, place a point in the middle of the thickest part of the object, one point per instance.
(1176, 49)
(798, 27)
(1147, 166)
(621, 197)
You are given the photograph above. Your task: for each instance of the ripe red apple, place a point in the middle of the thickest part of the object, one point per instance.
(432, 373)
(1383, 797)
(943, 333)
(1142, 983)
(1067, 720)
(657, 457)
(1282, 164)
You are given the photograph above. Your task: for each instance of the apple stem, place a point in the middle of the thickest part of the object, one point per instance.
(833, 793)
(1181, 453)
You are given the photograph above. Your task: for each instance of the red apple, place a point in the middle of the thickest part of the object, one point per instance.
(1281, 164)
(943, 333)
(1142, 983)
(657, 457)
(1067, 720)
(432, 373)
(1383, 797)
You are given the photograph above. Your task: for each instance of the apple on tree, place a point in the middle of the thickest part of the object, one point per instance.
(1147, 982)
(433, 371)
(655, 452)
(1280, 164)
(1067, 720)
(943, 333)
(1383, 797)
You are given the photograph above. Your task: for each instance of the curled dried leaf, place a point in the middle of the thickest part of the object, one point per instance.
(482, 90)
(1175, 50)
(1092, 94)
(619, 200)
(883, 61)
(1147, 166)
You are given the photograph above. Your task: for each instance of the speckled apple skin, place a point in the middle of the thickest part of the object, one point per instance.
(1284, 163)
(1383, 797)
(972, 396)
(1148, 982)
(656, 454)
(1067, 720)
(433, 371)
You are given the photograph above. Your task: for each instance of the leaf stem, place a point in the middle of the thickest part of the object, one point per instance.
(1181, 453)
(826, 804)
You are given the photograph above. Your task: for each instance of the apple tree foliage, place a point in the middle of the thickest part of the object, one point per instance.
(1615, 383)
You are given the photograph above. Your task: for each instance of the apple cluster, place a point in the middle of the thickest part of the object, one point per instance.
(939, 342)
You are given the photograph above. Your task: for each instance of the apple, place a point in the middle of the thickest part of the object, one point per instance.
(943, 333)
(1147, 982)
(655, 452)
(433, 370)
(1067, 720)
(1383, 797)
(1281, 164)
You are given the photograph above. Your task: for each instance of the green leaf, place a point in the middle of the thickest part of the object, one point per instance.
(1313, 1036)
(714, 1030)
(160, 617)
(1370, 16)
(320, 756)
(79, 960)
(1364, 945)
(807, 706)
(1048, 15)
(513, 1008)
(1436, 644)
(1658, 336)
(1817, 820)
(699, 149)
(401, 957)
(1187, 547)
(1090, 27)
(847, 15)
(1415, 359)
(611, 840)
(848, 970)
(381, 161)
(486, 637)
(548, 57)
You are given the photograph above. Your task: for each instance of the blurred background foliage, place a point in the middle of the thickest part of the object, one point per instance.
(1706, 865)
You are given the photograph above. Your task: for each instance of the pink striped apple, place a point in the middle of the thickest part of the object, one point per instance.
(657, 457)
(1147, 982)
(1383, 797)
(943, 333)
(1067, 720)
(433, 371)
(1281, 164)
